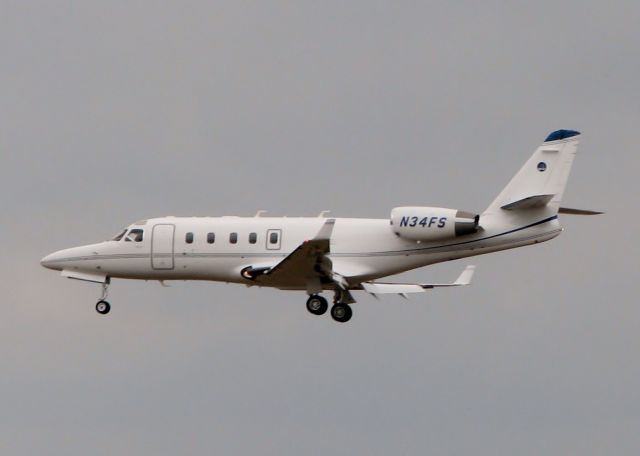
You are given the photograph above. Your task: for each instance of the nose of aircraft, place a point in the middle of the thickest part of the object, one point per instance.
(52, 261)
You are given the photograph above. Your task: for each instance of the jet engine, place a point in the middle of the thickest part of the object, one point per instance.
(427, 224)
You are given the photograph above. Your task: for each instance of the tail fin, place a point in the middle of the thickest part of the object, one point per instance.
(542, 179)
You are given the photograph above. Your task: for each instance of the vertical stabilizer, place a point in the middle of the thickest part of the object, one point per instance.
(542, 179)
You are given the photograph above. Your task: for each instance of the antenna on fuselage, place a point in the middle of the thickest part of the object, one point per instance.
(323, 214)
(260, 212)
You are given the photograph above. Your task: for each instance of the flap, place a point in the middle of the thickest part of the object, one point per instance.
(401, 288)
(392, 288)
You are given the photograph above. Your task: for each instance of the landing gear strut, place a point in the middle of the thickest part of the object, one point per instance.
(317, 305)
(341, 311)
(102, 306)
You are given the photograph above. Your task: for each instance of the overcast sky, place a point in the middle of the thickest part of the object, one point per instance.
(111, 112)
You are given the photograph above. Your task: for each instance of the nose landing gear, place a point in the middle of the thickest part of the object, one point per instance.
(102, 306)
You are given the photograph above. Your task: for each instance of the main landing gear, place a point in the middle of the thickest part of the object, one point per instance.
(317, 305)
(340, 311)
(102, 306)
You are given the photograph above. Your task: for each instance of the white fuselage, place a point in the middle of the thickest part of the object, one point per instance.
(361, 249)
(338, 254)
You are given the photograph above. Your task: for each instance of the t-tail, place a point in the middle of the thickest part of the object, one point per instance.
(540, 183)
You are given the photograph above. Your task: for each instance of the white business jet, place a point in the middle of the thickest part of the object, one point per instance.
(317, 254)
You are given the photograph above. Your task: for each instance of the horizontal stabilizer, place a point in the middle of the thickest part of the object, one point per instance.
(528, 202)
(569, 211)
(403, 288)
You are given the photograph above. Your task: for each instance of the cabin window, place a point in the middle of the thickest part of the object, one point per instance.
(188, 238)
(233, 238)
(253, 238)
(134, 235)
(211, 238)
(273, 238)
(119, 236)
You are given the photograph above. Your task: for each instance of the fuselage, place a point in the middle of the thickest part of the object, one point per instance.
(219, 248)
(337, 254)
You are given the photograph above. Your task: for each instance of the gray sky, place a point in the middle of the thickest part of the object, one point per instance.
(115, 111)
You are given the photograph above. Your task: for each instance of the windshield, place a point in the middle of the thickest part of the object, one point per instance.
(119, 235)
(135, 235)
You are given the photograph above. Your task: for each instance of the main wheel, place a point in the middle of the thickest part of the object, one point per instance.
(341, 312)
(317, 305)
(103, 307)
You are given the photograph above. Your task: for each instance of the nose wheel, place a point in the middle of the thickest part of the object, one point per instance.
(102, 306)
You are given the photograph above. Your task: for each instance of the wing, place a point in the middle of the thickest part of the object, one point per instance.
(376, 288)
(307, 264)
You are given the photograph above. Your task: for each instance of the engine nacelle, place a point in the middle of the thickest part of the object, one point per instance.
(432, 223)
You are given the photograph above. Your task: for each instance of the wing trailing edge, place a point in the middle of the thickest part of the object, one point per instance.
(376, 288)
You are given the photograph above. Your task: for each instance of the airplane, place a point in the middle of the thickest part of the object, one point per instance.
(339, 255)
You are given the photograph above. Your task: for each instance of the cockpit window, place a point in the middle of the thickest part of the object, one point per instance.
(119, 235)
(135, 235)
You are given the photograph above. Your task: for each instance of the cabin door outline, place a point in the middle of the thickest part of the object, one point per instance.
(163, 246)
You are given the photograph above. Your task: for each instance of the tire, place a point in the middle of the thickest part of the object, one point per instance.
(341, 312)
(317, 305)
(103, 307)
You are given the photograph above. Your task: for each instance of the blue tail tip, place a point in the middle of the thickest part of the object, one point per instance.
(561, 134)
